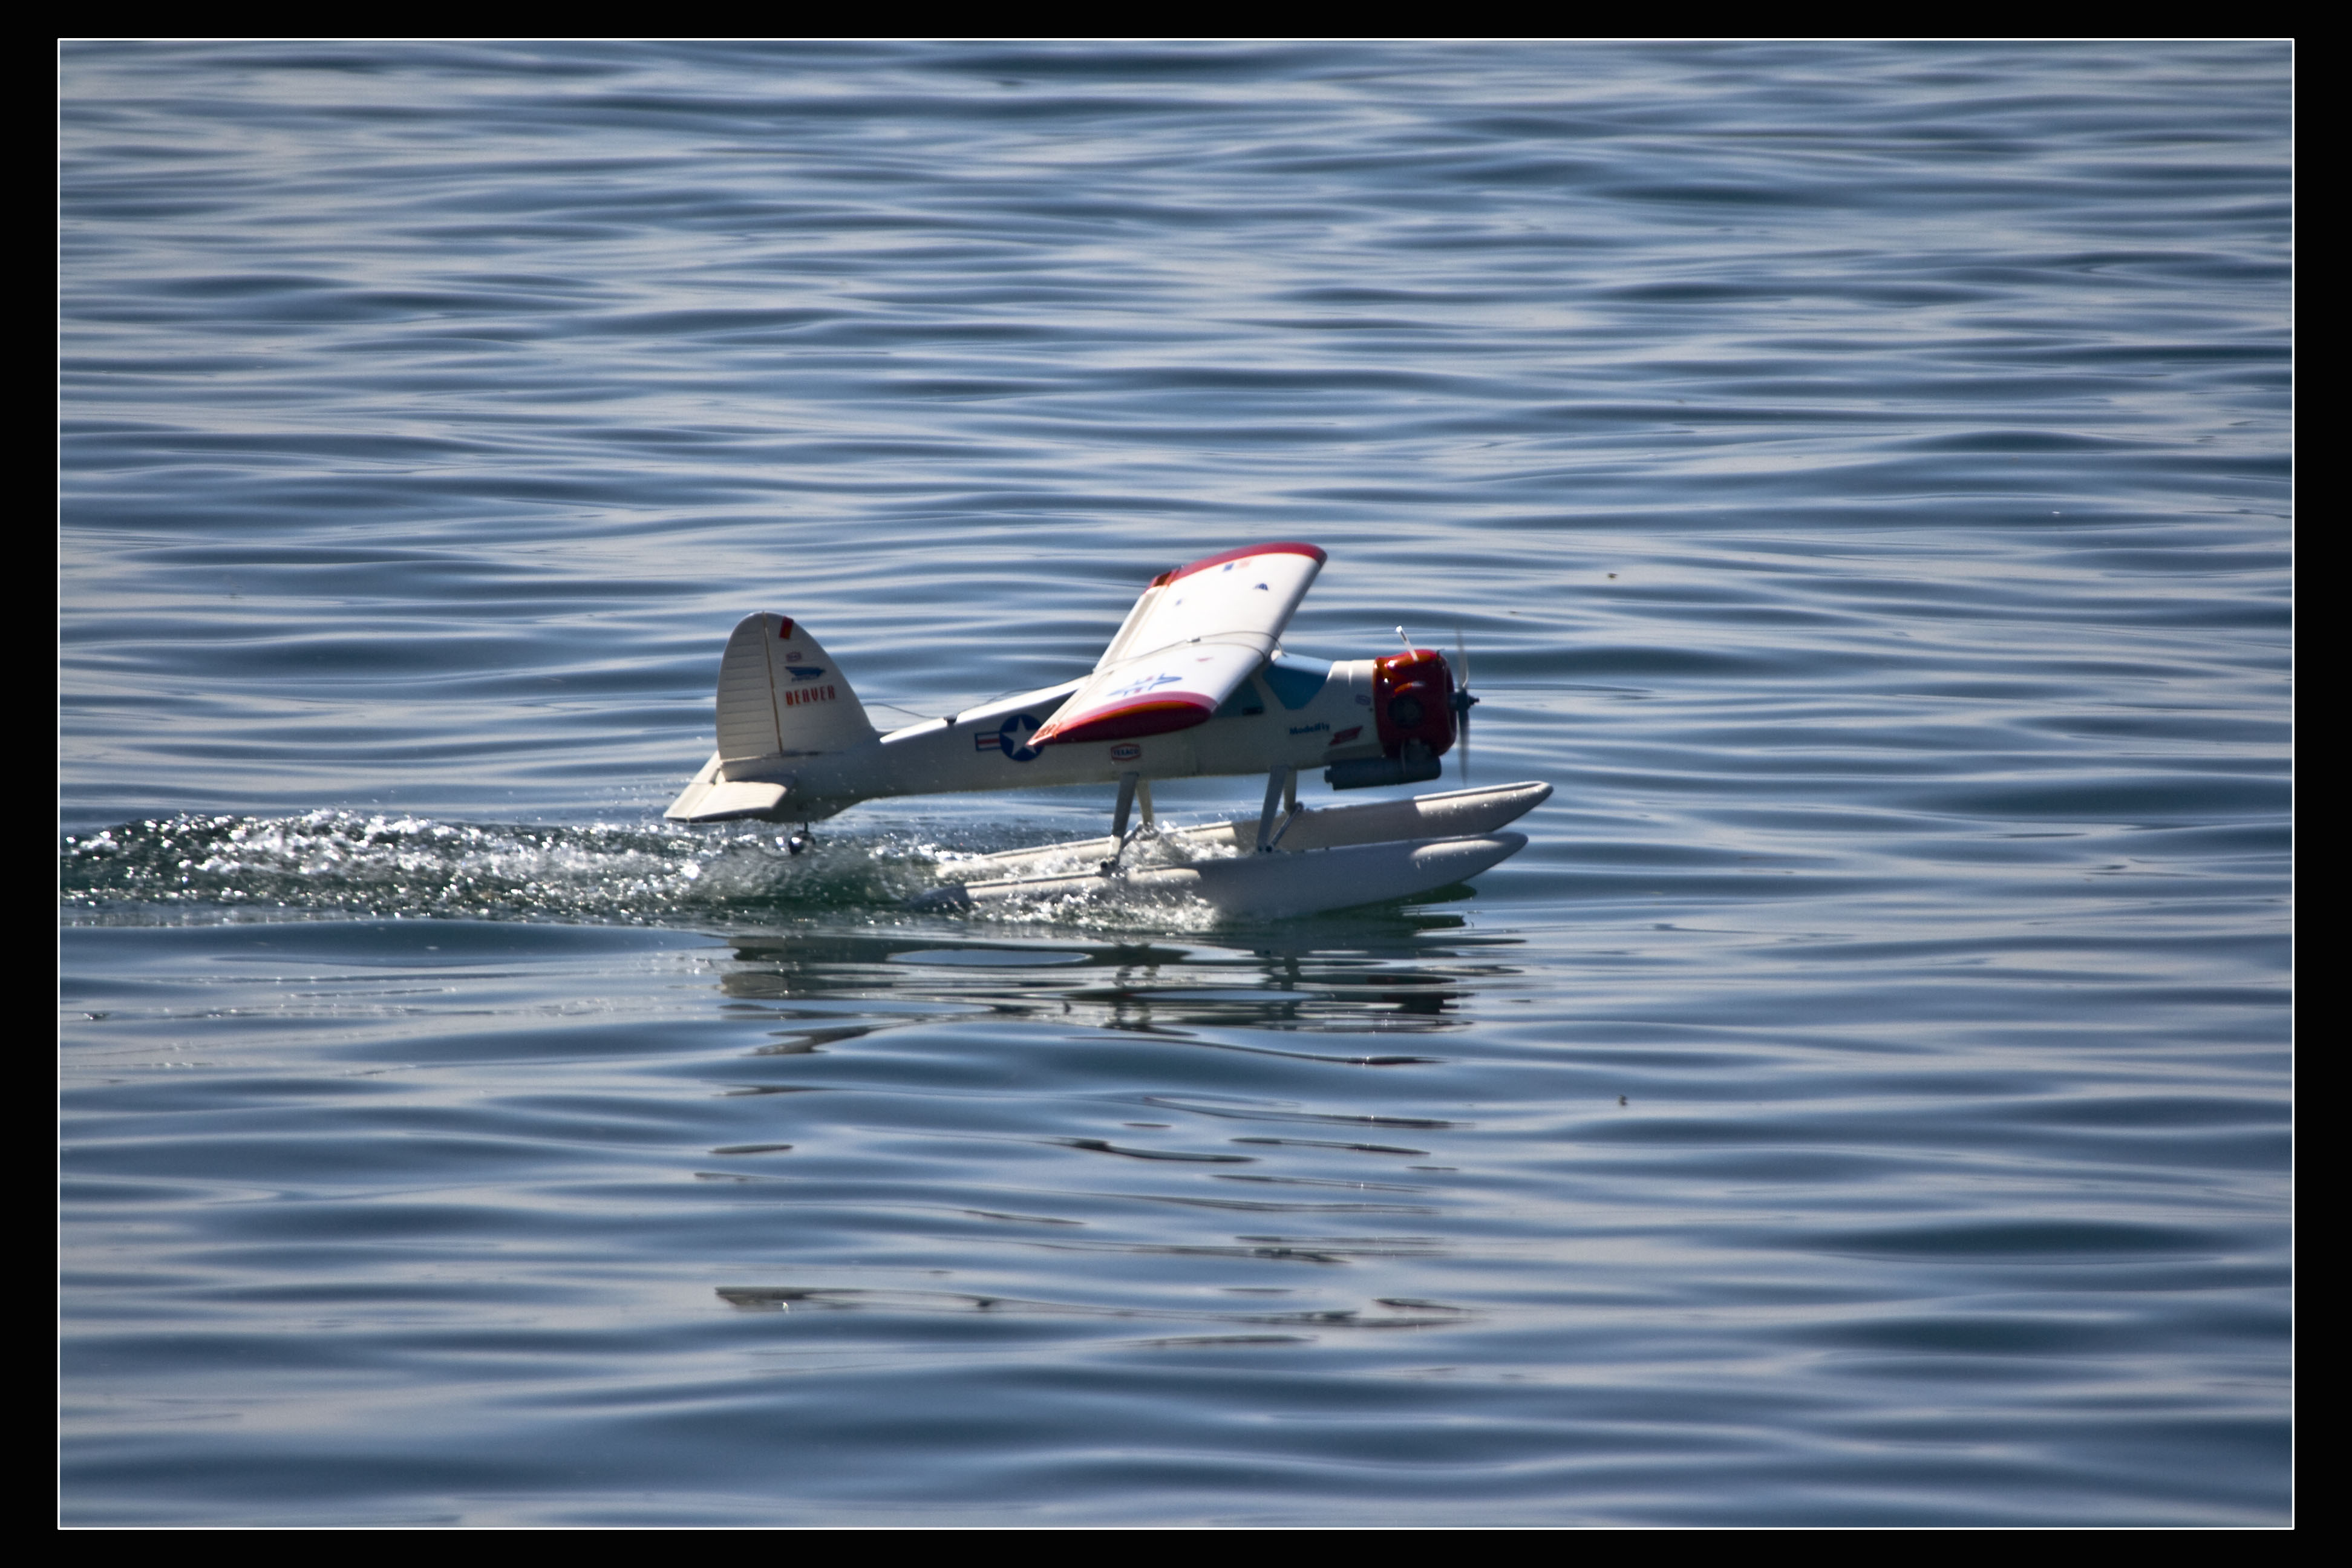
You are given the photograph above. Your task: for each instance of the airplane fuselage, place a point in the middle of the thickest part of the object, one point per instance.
(1292, 712)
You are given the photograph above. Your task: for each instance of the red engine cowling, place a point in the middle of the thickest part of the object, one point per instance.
(1413, 699)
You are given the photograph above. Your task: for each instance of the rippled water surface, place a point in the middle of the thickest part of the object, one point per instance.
(1860, 475)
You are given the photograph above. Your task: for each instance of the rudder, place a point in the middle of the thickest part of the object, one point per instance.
(780, 693)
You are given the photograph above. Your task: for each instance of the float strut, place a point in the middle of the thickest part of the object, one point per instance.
(1127, 783)
(1126, 787)
(1281, 800)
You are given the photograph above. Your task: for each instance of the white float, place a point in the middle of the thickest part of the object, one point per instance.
(1331, 859)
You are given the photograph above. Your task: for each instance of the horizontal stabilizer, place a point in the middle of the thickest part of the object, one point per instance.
(1193, 636)
(712, 798)
(729, 801)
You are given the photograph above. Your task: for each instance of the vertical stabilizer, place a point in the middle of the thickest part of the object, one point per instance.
(781, 694)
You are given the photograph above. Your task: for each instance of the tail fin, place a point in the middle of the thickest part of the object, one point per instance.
(779, 692)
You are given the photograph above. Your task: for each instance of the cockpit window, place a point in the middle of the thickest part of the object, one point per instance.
(1294, 681)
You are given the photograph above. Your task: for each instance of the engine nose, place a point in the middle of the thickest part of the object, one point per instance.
(1412, 703)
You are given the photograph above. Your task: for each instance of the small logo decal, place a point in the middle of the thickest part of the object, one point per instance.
(1145, 683)
(1126, 752)
(805, 671)
(1344, 736)
(1012, 735)
(1309, 729)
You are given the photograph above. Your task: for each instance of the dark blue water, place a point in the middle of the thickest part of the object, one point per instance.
(1861, 475)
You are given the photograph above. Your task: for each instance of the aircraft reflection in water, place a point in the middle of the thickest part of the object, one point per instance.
(1195, 683)
(1138, 988)
(1249, 1166)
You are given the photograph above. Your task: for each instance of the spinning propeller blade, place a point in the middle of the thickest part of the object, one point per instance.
(1463, 701)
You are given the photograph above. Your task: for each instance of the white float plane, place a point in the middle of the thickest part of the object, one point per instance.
(1194, 683)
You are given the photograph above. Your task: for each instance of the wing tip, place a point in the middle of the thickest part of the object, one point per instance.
(1270, 547)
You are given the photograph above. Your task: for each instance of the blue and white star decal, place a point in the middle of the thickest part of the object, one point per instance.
(1011, 738)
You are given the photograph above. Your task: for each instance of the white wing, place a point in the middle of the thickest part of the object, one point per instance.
(1194, 635)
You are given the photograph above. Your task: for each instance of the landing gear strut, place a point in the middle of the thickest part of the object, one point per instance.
(1282, 793)
(799, 841)
(1132, 788)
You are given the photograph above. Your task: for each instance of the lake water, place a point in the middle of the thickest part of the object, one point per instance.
(1861, 475)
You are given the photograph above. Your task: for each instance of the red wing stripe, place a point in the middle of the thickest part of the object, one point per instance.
(1156, 714)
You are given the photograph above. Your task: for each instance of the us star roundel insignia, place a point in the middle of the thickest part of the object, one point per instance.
(1012, 734)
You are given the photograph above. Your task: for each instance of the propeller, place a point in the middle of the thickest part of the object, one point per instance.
(1463, 701)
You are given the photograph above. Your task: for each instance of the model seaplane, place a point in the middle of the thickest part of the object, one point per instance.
(1195, 683)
